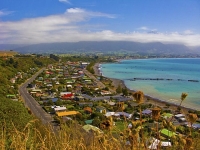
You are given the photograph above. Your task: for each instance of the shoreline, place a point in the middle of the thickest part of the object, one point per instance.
(149, 99)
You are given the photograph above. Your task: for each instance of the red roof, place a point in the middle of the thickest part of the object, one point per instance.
(67, 95)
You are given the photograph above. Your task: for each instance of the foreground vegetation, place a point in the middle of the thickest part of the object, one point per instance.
(13, 114)
(21, 130)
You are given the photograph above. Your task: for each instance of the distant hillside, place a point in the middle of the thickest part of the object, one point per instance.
(10, 46)
(107, 46)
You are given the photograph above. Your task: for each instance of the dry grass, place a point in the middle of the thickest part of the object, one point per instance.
(7, 53)
(72, 137)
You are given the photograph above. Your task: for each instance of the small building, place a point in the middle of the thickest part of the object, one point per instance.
(100, 109)
(156, 142)
(88, 110)
(180, 117)
(167, 115)
(103, 92)
(124, 114)
(88, 121)
(82, 104)
(79, 98)
(65, 93)
(108, 114)
(167, 133)
(59, 108)
(66, 113)
(12, 80)
(12, 96)
(147, 112)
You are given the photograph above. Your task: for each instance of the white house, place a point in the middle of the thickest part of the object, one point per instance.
(60, 108)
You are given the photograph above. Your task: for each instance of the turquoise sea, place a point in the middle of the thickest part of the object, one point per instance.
(164, 79)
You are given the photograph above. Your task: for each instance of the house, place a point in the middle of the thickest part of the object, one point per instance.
(36, 91)
(167, 115)
(66, 113)
(12, 96)
(40, 78)
(84, 64)
(59, 108)
(89, 128)
(108, 114)
(70, 81)
(78, 98)
(100, 109)
(147, 112)
(68, 96)
(167, 133)
(103, 92)
(124, 114)
(180, 117)
(88, 110)
(88, 121)
(156, 142)
(82, 104)
(64, 93)
(69, 86)
(110, 103)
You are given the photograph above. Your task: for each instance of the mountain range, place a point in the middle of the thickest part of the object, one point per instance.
(103, 47)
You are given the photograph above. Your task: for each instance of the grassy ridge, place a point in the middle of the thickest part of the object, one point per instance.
(7, 53)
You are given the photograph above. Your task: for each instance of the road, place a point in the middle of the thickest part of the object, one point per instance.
(30, 102)
(100, 84)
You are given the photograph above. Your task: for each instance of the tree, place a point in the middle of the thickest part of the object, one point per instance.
(119, 89)
(125, 92)
(106, 88)
(50, 102)
(96, 122)
(58, 102)
(60, 88)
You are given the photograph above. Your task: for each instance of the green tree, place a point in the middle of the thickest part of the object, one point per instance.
(96, 122)
(119, 89)
(59, 102)
(50, 102)
(125, 91)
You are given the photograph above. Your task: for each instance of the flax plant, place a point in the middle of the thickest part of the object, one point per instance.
(139, 97)
(183, 97)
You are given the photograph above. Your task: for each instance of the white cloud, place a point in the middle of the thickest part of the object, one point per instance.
(187, 32)
(75, 10)
(69, 27)
(4, 13)
(65, 1)
(143, 28)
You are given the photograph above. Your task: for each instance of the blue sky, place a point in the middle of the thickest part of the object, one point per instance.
(43, 21)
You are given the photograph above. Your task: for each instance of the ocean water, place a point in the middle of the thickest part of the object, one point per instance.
(164, 79)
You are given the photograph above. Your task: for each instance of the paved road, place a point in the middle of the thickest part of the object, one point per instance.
(100, 84)
(118, 97)
(30, 102)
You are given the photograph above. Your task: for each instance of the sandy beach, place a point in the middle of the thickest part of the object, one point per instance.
(148, 99)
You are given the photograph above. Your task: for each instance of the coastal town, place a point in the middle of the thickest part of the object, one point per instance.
(68, 92)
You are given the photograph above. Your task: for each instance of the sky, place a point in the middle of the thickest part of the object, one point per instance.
(47, 21)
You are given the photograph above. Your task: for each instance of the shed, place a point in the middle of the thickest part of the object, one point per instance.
(167, 133)
(88, 121)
